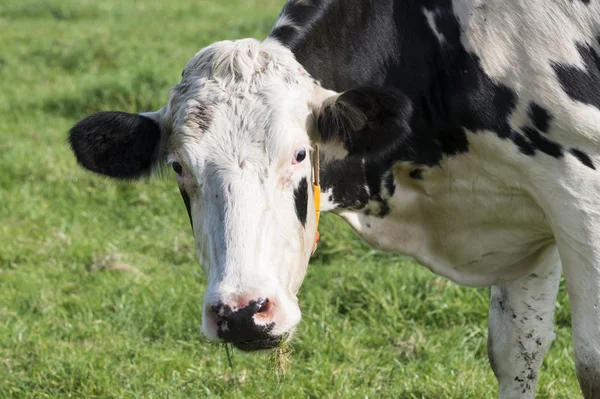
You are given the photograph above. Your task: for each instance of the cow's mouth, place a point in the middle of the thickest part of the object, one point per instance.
(261, 345)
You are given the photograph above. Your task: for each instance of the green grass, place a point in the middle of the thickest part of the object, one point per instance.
(71, 325)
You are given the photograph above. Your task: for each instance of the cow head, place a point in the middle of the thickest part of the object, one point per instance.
(236, 132)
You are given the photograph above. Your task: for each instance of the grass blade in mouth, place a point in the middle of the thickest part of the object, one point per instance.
(229, 352)
(280, 358)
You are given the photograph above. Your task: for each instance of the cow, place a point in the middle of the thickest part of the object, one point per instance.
(462, 133)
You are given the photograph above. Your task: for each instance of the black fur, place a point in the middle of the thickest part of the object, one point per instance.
(583, 158)
(540, 117)
(301, 200)
(334, 42)
(117, 144)
(390, 185)
(581, 85)
(188, 206)
(416, 174)
(239, 328)
(543, 144)
(347, 180)
(367, 120)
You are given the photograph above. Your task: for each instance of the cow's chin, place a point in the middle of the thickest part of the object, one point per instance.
(254, 346)
(268, 344)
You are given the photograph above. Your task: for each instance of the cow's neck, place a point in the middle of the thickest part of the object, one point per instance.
(342, 44)
(352, 43)
(407, 46)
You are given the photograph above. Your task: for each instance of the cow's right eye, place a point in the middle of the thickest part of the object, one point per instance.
(299, 156)
(177, 168)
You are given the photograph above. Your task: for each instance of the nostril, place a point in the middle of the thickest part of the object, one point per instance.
(261, 309)
(266, 309)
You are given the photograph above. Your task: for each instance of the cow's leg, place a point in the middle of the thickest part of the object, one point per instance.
(573, 208)
(521, 325)
(581, 260)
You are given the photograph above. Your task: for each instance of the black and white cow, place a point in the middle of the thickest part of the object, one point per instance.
(463, 133)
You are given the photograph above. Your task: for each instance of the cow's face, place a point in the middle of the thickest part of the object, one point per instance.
(236, 133)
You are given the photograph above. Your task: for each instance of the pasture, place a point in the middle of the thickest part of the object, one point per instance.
(100, 289)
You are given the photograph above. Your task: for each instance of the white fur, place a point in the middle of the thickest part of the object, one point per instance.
(430, 15)
(239, 173)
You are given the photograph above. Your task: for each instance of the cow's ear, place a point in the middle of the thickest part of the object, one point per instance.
(118, 144)
(365, 120)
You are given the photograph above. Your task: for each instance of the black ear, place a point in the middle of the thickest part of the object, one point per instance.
(366, 120)
(117, 144)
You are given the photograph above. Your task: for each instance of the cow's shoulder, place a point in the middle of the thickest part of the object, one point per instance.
(452, 217)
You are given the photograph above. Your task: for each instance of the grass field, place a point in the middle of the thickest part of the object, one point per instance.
(100, 290)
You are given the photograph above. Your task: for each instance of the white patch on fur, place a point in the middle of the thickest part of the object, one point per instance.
(333, 150)
(430, 16)
(284, 20)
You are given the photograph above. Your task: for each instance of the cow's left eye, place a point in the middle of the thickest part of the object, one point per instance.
(299, 156)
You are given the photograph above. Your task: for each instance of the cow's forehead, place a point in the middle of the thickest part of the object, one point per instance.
(241, 101)
(244, 65)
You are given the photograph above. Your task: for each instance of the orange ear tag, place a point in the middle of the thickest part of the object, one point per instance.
(316, 195)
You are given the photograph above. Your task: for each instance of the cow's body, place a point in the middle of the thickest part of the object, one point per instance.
(479, 179)
(506, 98)
(466, 135)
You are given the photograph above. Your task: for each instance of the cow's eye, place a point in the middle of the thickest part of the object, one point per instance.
(177, 168)
(299, 156)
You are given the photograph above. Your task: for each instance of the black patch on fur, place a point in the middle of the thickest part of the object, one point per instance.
(367, 120)
(524, 145)
(416, 174)
(301, 200)
(116, 144)
(344, 44)
(376, 189)
(581, 84)
(188, 207)
(390, 184)
(540, 117)
(583, 158)
(347, 180)
(541, 143)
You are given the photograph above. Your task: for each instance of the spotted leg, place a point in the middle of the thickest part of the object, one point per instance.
(581, 259)
(573, 208)
(521, 325)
